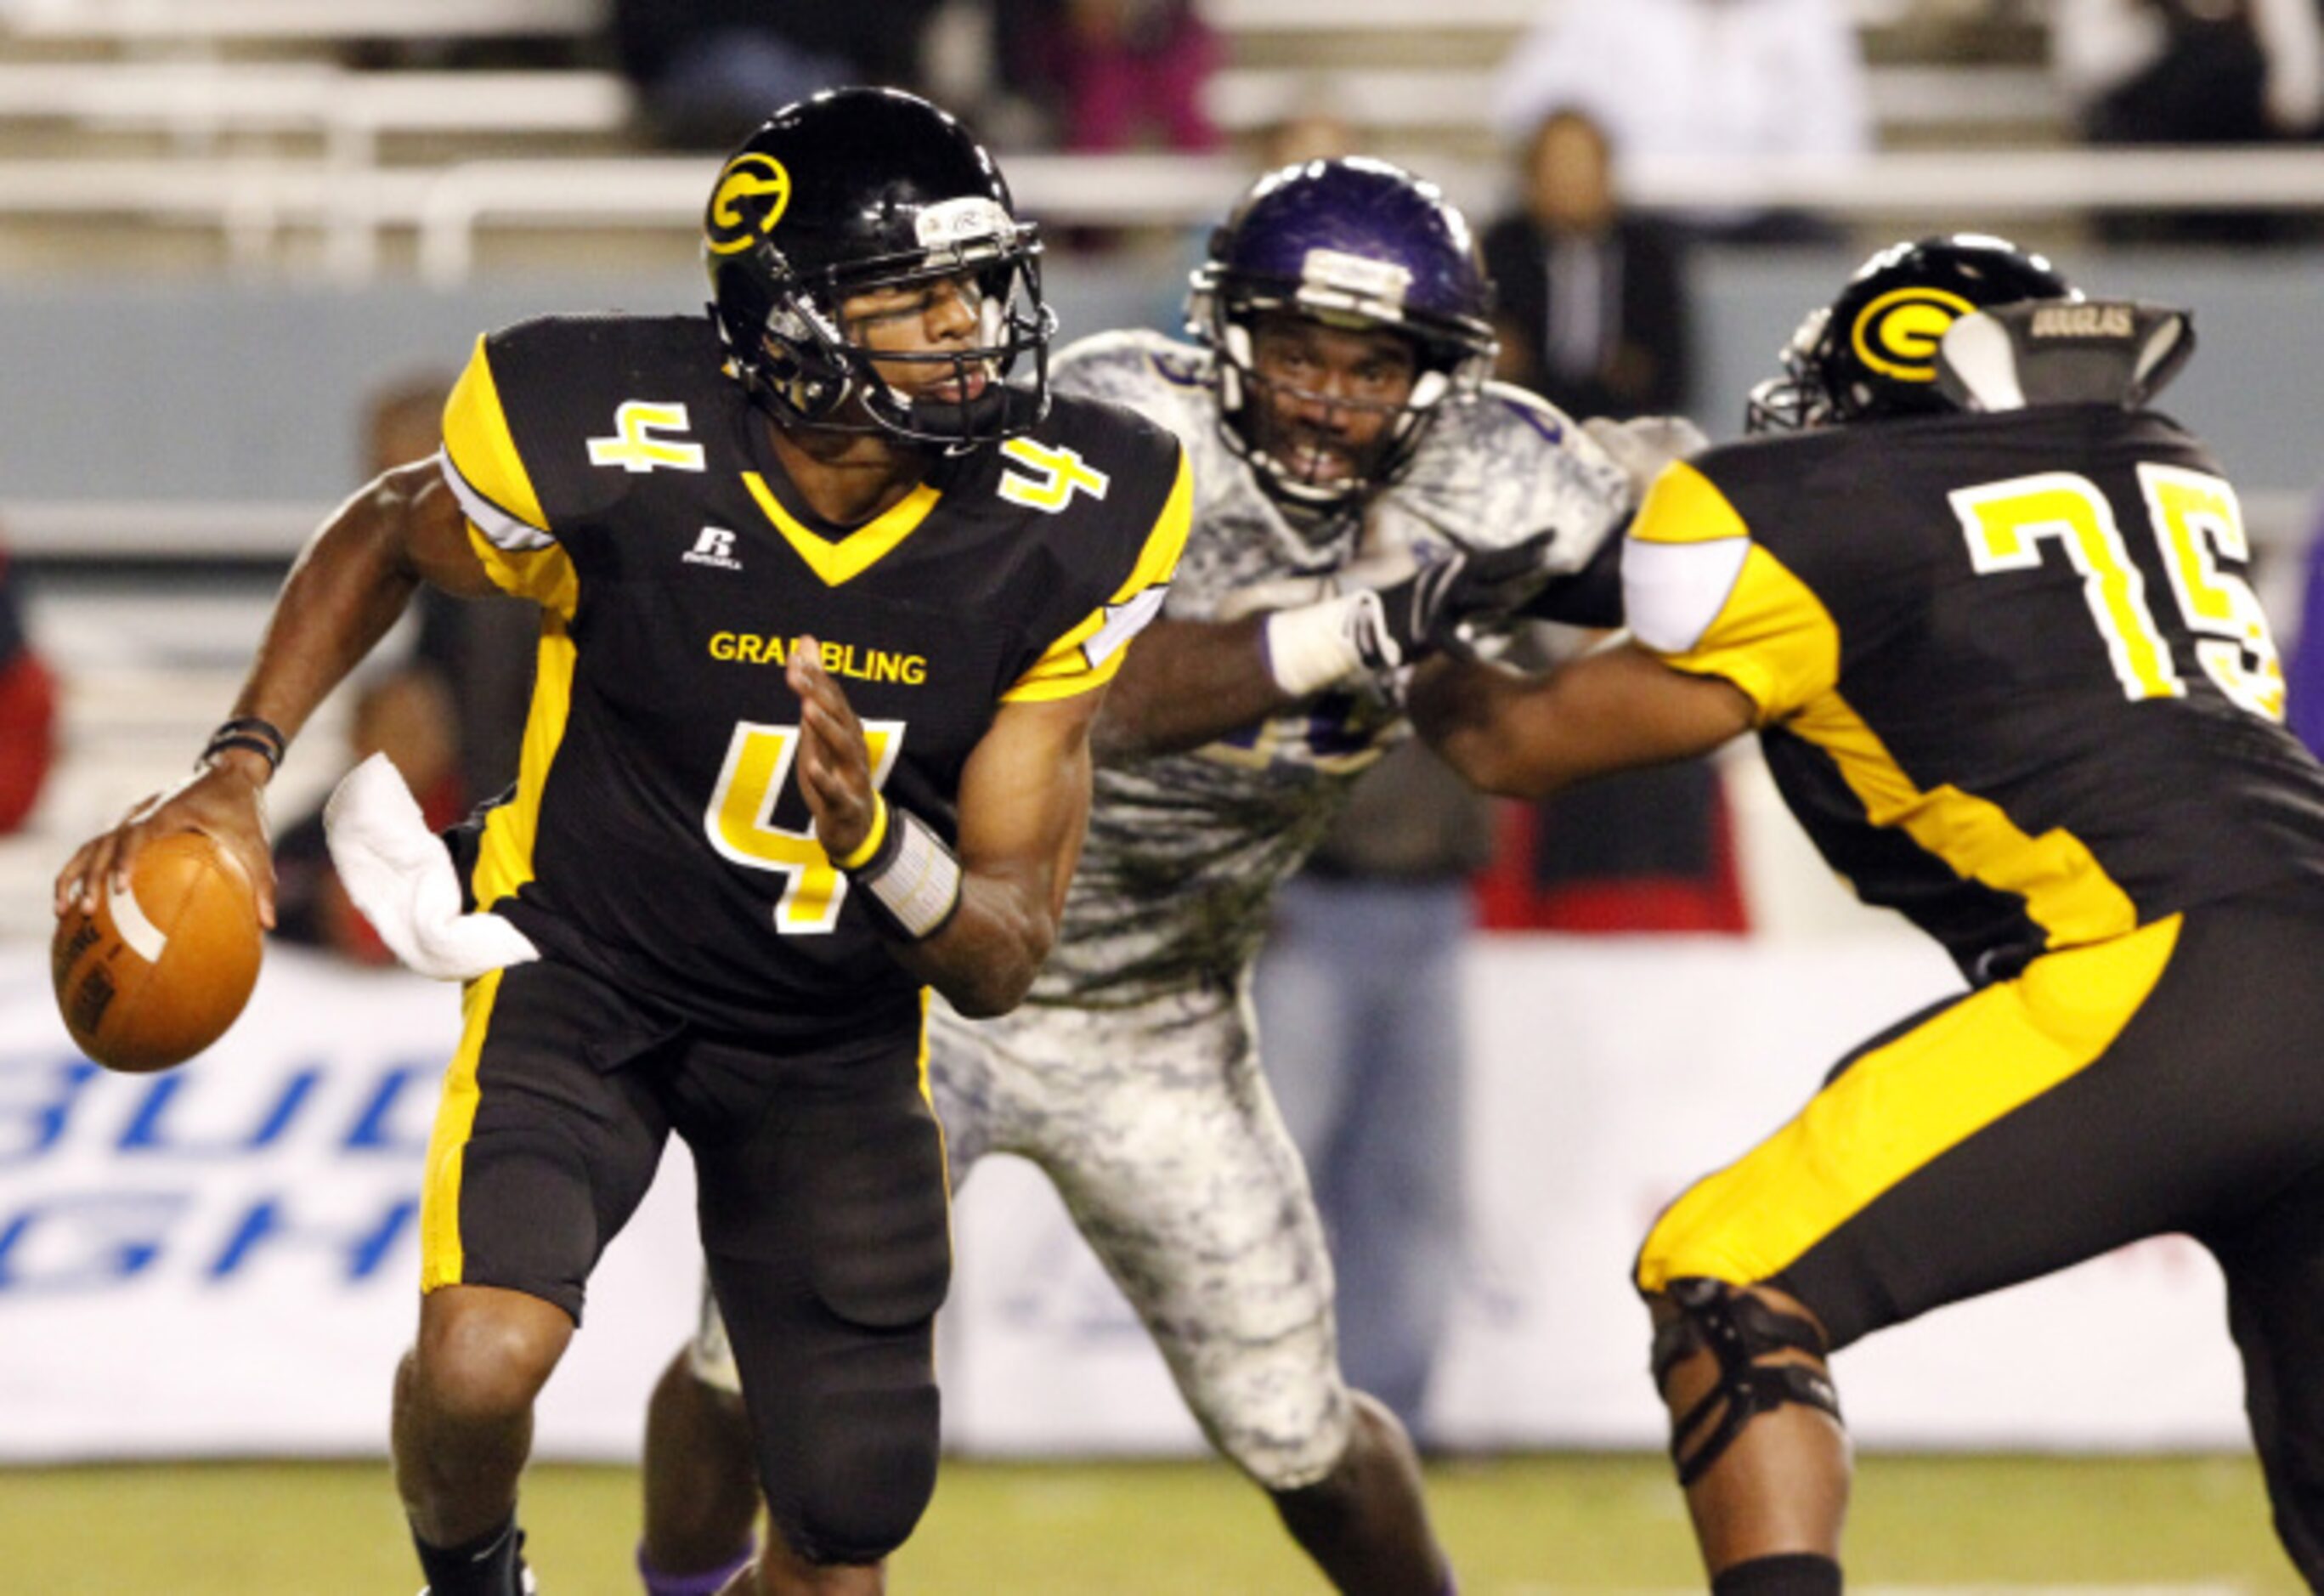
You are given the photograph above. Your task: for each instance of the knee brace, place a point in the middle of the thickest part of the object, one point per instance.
(1738, 1328)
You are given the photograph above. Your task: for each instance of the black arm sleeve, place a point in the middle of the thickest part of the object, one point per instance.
(1590, 596)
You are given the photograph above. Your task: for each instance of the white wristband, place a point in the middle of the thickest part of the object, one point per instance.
(1310, 648)
(917, 881)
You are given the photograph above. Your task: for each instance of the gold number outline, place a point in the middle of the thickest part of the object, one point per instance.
(739, 820)
(2198, 520)
(2005, 522)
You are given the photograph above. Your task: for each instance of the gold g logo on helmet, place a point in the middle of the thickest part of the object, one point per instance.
(1897, 334)
(751, 195)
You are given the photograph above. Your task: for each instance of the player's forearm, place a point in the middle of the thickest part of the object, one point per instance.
(1617, 708)
(1187, 683)
(984, 959)
(975, 918)
(1469, 714)
(345, 590)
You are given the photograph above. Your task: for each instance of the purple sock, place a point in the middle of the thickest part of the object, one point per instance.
(659, 1583)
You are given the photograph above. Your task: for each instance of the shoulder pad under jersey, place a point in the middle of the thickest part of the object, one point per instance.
(1166, 381)
(1497, 468)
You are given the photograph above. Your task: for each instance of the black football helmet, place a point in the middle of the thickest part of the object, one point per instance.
(1355, 243)
(1872, 352)
(863, 189)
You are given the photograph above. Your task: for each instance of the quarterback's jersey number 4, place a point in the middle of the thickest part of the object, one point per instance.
(741, 824)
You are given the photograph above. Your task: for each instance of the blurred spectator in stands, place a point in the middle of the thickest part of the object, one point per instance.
(710, 70)
(481, 649)
(1592, 301)
(1360, 1004)
(408, 716)
(1315, 129)
(1116, 73)
(1699, 78)
(2191, 72)
(1312, 130)
(28, 709)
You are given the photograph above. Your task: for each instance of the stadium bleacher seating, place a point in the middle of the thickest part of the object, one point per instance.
(242, 121)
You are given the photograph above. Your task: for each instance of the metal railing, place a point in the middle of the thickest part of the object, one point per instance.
(254, 202)
(206, 21)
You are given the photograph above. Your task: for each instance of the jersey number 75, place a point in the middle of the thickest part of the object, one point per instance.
(2197, 524)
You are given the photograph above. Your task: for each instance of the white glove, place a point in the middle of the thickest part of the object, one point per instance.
(1644, 445)
(400, 874)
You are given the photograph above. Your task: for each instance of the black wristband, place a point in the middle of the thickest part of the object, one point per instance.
(260, 738)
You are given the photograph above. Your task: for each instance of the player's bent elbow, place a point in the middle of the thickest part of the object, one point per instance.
(988, 992)
(998, 985)
(985, 1000)
(987, 987)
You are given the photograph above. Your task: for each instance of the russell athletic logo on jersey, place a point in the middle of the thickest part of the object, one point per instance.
(714, 546)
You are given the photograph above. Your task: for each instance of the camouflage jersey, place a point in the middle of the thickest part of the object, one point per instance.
(1184, 851)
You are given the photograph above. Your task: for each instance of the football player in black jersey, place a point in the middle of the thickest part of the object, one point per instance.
(1340, 431)
(827, 608)
(1986, 611)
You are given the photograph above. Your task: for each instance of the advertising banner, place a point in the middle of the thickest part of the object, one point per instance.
(222, 1260)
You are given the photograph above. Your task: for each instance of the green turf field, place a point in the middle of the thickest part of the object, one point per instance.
(1516, 1527)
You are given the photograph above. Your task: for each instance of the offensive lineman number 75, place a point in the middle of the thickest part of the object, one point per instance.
(740, 820)
(2197, 522)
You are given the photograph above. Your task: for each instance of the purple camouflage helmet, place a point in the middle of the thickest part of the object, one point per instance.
(1353, 243)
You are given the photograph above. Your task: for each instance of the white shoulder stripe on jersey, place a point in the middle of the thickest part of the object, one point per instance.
(506, 531)
(1672, 592)
(1125, 622)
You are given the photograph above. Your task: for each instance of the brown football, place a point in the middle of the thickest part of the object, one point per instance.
(158, 973)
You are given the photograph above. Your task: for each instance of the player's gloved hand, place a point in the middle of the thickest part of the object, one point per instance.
(400, 875)
(1400, 618)
(1439, 607)
(1390, 690)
